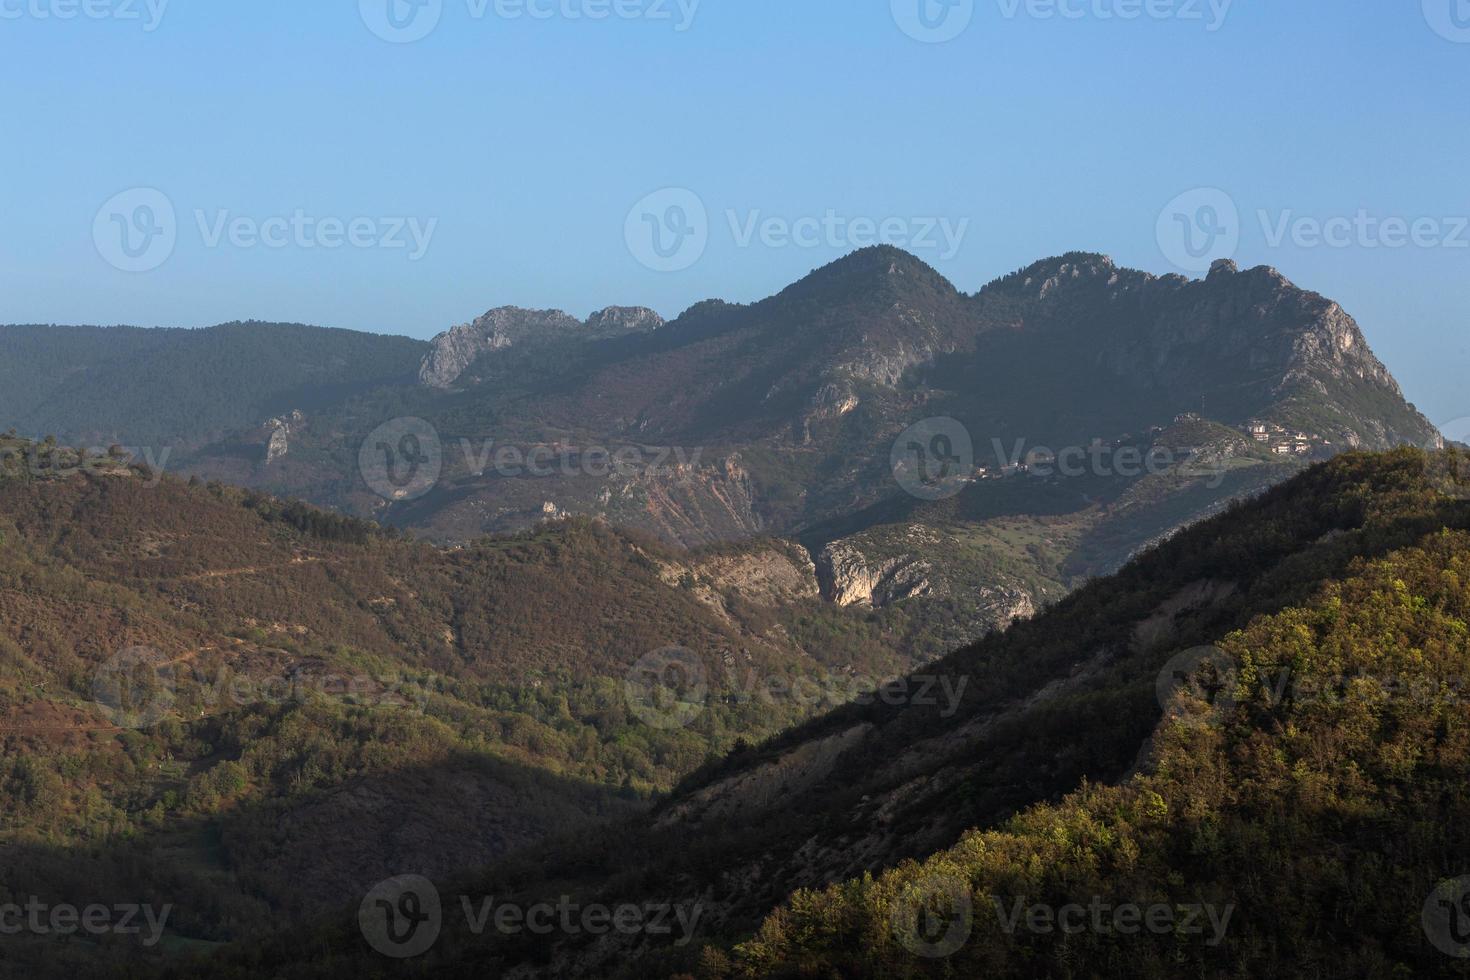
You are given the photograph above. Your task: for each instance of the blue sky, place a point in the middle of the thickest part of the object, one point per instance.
(519, 146)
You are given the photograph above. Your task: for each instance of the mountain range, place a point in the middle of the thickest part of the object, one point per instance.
(777, 419)
(776, 612)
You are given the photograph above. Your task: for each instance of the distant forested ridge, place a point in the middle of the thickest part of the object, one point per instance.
(169, 387)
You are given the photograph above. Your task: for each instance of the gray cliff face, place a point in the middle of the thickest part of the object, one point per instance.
(618, 320)
(916, 562)
(281, 429)
(1332, 357)
(456, 349)
(278, 445)
(1336, 343)
(851, 578)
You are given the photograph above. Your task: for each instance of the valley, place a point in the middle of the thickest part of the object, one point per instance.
(586, 490)
(614, 603)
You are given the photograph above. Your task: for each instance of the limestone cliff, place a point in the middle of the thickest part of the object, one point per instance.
(455, 350)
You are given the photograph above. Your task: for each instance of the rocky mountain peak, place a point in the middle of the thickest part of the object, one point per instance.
(1323, 338)
(615, 321)
(457, 348)
(508, 326)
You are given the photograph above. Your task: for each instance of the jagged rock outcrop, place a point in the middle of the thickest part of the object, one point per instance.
(616, 320)
(835, 400)
(1049, 276)
(691, 502)
(832, 401)
(1331, 356)
(456, 349)
(851, 578)
(1008, 604)
(279, 442)
(762, 574)
(278, 445)
(918, 562)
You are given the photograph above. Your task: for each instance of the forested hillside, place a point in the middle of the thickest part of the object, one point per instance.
(180, 388)
(248, 707)
(1312, 807)
(1305, 780)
